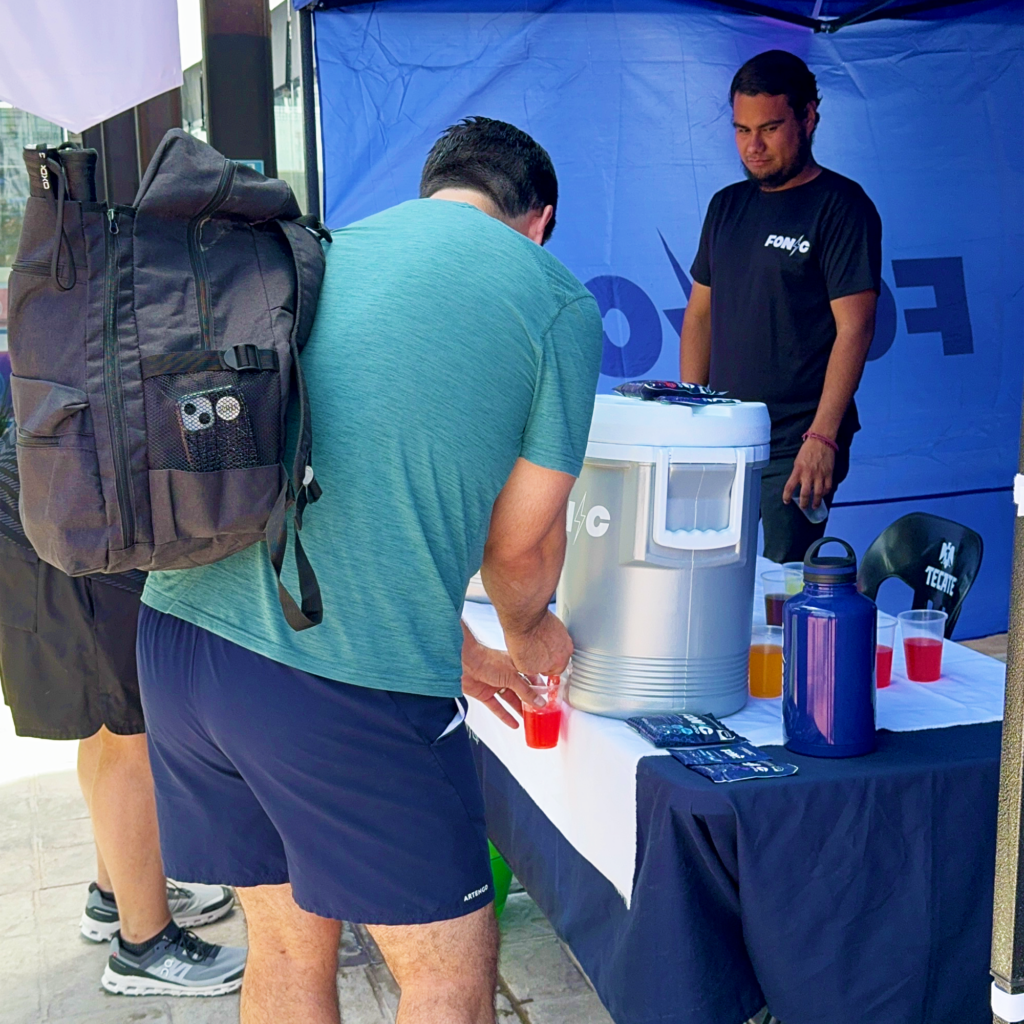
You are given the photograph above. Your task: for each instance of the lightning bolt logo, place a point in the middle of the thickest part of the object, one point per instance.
(581, 517)
(796, 246)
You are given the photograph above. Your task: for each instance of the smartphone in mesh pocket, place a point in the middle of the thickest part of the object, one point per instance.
(217, 430)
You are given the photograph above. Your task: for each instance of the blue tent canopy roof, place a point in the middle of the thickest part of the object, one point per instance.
(820, 15)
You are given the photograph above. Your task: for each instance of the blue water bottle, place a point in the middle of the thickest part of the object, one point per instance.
(828, 688)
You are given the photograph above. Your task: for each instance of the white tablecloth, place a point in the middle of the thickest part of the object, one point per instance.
(587, 784)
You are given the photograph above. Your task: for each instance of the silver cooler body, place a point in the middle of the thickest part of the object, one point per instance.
(658, 583)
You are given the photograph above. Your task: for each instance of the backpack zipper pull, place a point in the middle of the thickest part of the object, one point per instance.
(112, 219)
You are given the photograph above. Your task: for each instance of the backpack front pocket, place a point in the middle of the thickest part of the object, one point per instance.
(62, 506)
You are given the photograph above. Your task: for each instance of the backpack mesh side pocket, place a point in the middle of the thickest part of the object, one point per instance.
(213, 420)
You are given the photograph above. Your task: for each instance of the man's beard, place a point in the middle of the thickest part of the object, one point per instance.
(776, 179)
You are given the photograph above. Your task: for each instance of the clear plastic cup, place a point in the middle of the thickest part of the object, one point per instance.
(923, 630)
(765, 673)
(797, 567)
(795, 583)
(814, 515)
(885, 632)
(779, 586)
(542, 725)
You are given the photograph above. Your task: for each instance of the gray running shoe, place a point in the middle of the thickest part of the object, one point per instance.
(186, 966)
(190, 906)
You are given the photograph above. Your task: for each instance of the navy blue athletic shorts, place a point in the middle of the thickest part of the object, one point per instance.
(265, 774)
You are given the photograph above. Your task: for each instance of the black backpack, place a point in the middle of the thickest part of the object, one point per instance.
(154, 350)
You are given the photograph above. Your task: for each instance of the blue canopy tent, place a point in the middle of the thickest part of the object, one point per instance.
(631, 99)
(921, 104)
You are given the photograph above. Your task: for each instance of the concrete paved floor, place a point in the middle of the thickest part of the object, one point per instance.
(48, 972)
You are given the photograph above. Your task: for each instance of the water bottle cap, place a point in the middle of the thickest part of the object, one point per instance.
(830, 568)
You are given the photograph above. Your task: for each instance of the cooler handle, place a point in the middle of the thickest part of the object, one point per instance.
(698, 540)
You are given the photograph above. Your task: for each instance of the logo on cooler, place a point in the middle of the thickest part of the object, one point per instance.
(596, 520)
(791, 245)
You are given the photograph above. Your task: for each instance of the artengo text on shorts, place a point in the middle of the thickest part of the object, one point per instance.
(791, 245)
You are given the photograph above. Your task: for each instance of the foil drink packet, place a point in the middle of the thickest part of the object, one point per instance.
(671, 392)
(732, 754)
(743, 771)
(683, 730)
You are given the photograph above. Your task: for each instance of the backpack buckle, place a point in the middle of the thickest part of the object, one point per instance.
(241, 358)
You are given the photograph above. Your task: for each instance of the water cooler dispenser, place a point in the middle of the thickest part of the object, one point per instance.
(657, 588)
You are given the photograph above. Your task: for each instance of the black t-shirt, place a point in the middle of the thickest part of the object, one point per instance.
(774, 261)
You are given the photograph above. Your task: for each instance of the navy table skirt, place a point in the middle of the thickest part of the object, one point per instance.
(857, 892)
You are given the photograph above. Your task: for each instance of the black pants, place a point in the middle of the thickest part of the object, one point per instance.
(787, 531)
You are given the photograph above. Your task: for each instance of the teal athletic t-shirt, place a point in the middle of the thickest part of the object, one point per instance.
(445, 346)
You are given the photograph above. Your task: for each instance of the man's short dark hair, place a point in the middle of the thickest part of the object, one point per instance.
(777, 73)
(497, 159)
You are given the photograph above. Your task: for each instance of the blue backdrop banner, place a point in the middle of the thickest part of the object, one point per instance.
(631, 100)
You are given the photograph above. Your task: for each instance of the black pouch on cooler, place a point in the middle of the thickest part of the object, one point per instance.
(672, 392)
(743, 771)
(732, 754)
(683, 730)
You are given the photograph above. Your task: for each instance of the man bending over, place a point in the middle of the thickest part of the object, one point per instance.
(326, 773)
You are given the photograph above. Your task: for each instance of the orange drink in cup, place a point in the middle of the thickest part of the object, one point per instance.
(766, 662)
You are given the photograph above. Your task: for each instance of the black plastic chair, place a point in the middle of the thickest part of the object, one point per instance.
(937, 558)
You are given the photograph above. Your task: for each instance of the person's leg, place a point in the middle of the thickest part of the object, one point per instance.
(291, 972)
(88, 761)
(447, 971)
(123, 813)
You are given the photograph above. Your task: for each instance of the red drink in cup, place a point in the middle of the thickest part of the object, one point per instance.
(923, 630)
(542, 725)
(924, 658)
(883, 666)
(885, 632)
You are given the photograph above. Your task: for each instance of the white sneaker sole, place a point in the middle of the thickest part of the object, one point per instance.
(100, 931)
(124, 985)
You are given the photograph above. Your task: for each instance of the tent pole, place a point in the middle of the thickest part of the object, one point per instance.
(1008, 912)
(766, 11)
(239, 80)
(855, 16)
(312, 154)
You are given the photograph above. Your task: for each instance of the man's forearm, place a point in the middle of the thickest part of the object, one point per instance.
(845, 367)
(520, 585)
(695, 348)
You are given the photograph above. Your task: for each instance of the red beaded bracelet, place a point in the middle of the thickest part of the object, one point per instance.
(827, 441)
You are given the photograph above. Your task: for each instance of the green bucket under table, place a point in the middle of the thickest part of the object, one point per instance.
(502, 875)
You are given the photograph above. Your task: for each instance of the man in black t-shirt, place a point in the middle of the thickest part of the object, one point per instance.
(785, 285)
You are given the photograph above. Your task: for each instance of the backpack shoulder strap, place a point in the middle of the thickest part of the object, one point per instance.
(300, 487)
